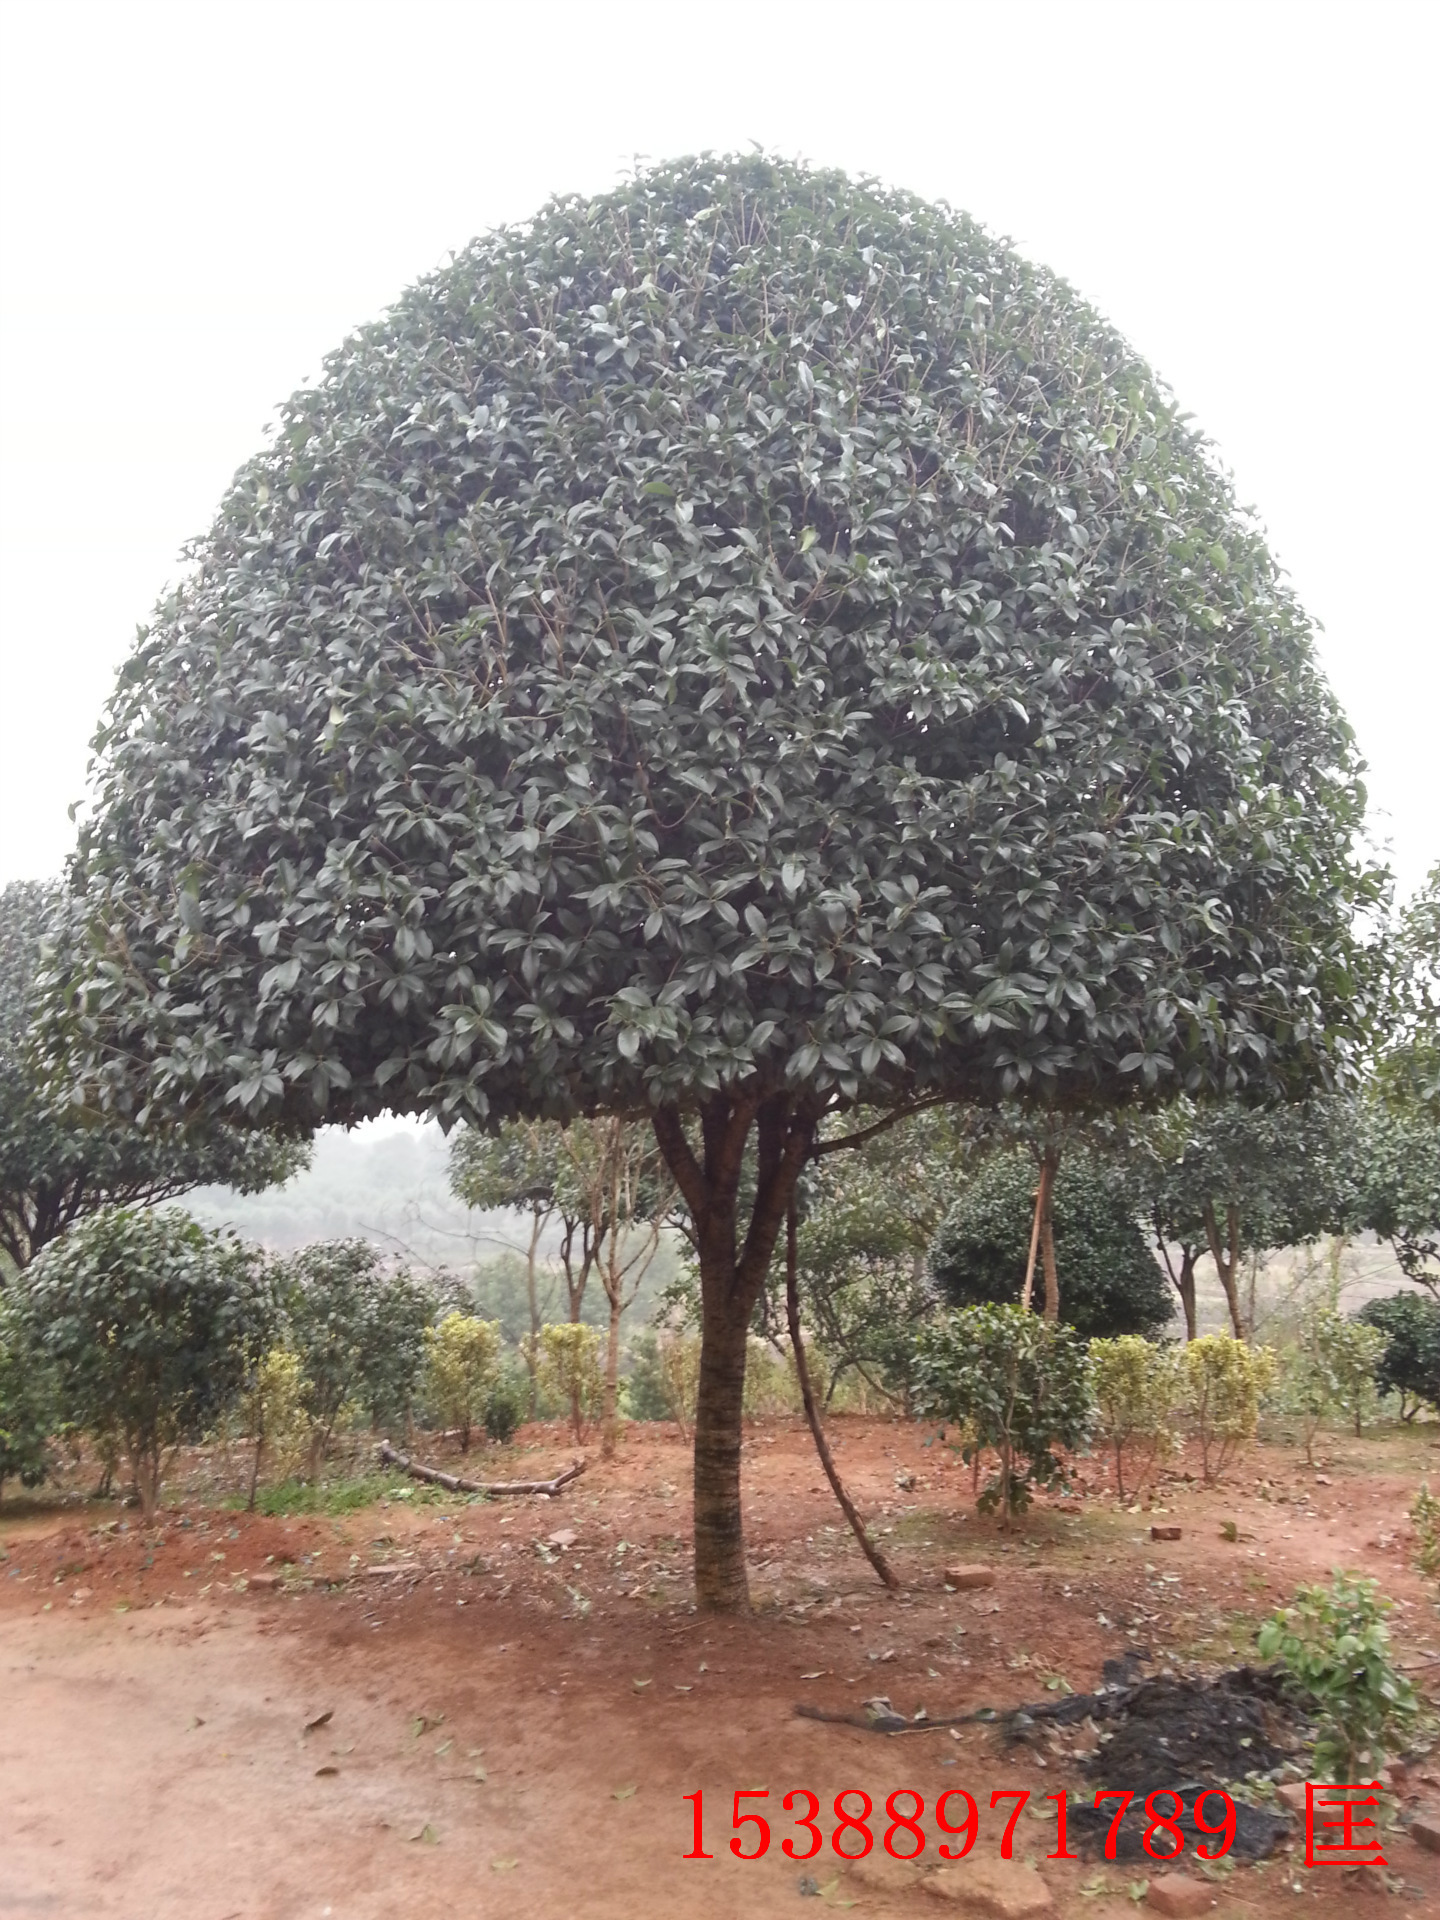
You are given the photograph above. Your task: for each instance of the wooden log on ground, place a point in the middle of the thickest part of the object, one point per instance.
(496, 1489)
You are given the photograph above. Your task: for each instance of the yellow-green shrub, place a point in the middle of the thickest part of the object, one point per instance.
(1136, 1384)
(461, 1355)
(570, 1370)
(1222, 1380)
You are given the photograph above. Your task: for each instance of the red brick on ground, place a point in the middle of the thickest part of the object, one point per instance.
(1178, 1896)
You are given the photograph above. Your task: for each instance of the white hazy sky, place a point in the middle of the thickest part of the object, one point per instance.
(198, 201)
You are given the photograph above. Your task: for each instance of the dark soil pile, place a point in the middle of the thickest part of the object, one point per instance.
(1189, 1735)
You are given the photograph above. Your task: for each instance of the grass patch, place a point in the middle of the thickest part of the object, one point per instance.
(343, 1496)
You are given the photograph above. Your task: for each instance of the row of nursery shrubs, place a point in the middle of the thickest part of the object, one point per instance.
(141, 1331)
(1030, 1393)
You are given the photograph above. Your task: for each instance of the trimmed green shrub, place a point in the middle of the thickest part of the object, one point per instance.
(570, 1371)
(1018, 1384)
(506, 1404)
(1410, 1363)
(1137, 1386)
(152, 1326)
(462, 1354)
(359, 1330)
(1221, 1381)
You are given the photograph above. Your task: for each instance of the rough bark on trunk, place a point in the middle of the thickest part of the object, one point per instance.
(1226, 1256)
(802, 1372)
(1047, 1244)
(532, 1347)
(1184, 1281)
(610, 1420)
(732, 1271)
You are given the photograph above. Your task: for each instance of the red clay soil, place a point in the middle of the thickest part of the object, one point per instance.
(433, 1709)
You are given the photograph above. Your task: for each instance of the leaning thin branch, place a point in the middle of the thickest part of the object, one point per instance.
(792, 1314)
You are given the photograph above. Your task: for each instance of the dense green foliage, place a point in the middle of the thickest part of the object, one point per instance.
(1017, 1384)
(506, 1403)
(29, 1412)
(1110, 1281)
(151, 1326)
(627, 621)
(1334, 1643)
(1410, 1363)
(58, 1163)
(359, 1328)
(1410, 1055)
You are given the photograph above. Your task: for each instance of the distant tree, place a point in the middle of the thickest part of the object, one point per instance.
(742, 647)
(1111, 1283)
(359, 1328)
(1236, 1181)
(519, 1169)
(616, 1168)
(868, 1216)
(1397, 1180)
(605, 1183)
(1410, 1363)
(58, 1163)
(152, 1327)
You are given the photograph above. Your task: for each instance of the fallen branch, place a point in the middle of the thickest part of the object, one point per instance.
(496, 1489)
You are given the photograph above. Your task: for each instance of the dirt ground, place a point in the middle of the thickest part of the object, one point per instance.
(440, 1709)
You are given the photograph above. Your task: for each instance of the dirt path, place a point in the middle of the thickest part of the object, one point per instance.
(154, 1761)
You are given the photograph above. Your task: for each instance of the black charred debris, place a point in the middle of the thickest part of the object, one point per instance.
(1182, 1734)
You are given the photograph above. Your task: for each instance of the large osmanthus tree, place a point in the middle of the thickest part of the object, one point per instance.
(741, 646)
(59, 1163)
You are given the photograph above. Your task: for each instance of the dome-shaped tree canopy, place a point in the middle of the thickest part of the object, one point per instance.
(747, 625)
(746, 643)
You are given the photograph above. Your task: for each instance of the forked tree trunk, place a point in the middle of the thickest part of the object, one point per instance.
(1226, 1255)
(734, 1258)
(1184, 1281)
(1186, 1287)
(1042, 1237)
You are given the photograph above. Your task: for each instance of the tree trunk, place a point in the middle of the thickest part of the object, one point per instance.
(1047, 1239)
(255, 1465)
(720, 1580)
(1029, 1287)
(1187, 1292)
(731, 1275)
(1226, 1256)
(532, 1350)
(610, 1426)
(1184, 1281)
(802, 1373)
